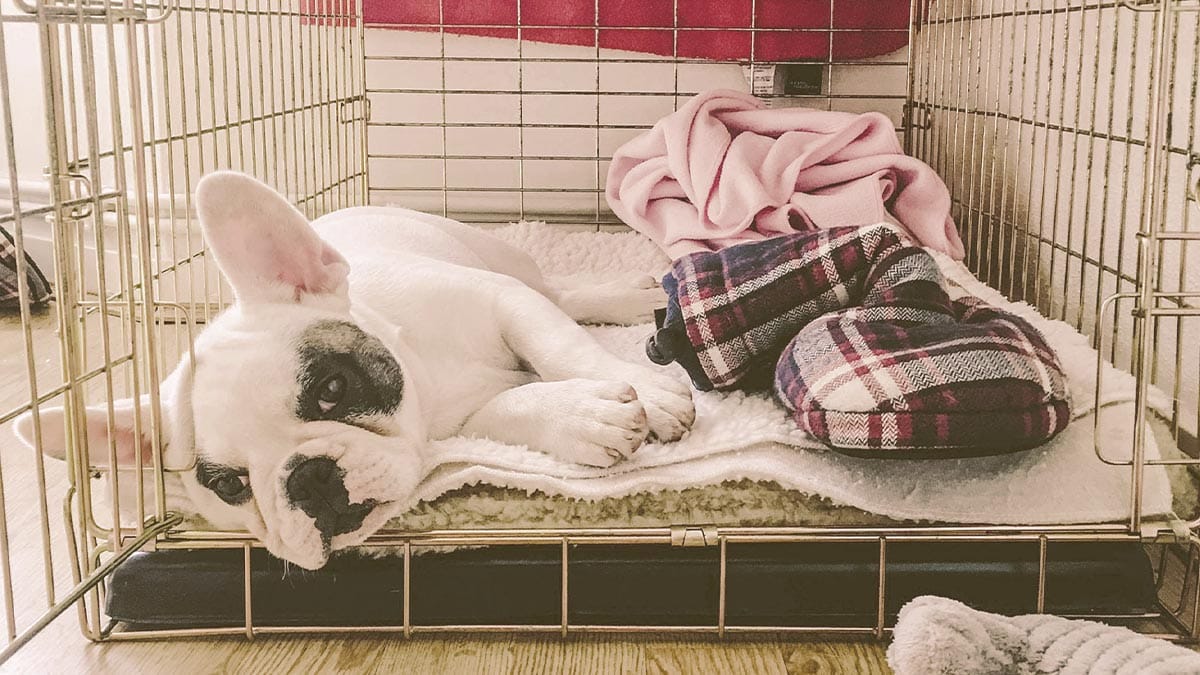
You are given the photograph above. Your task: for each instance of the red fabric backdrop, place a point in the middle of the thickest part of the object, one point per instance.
(779, 30)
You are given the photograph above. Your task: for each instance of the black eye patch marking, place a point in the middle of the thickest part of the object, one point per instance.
(230, 483)
(345, 374)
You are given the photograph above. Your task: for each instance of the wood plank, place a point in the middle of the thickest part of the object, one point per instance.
(603, 653)
(680, 657)
(61, 649)
(835, 658)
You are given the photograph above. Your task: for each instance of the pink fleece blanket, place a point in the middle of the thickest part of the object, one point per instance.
(724, 169)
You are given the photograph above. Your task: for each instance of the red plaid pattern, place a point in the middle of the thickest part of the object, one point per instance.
(916, 379)
(731, 312)
(10, 297)
(855, 330)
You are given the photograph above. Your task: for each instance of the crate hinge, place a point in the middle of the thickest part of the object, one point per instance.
(1173, 531)
(105, 11)
(917, 115)
(1156, 5)
(693, 535)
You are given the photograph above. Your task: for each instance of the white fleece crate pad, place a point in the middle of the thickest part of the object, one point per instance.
(739, 436)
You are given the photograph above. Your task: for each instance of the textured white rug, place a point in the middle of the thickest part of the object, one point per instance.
(737, 436)
(938, 635)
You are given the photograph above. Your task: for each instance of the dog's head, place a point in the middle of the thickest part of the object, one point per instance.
(296, 418)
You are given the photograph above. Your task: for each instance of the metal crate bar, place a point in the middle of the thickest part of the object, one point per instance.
(1086, 211)
(721, 627)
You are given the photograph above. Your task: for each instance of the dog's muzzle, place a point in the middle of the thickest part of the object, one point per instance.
(316, 487)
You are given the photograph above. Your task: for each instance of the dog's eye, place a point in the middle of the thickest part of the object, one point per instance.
(331, 392)
(233, 488)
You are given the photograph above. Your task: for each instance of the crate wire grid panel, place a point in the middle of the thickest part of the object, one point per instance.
(1032, 113)
(487, 130)
(130, 104)
(139, 100)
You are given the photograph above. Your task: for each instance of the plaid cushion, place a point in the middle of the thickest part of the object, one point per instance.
(731, 312)
(10, 297)
(912, 373)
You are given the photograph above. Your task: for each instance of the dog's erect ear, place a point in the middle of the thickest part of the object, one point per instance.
(99, 431)
(265, 247)
(175, 394)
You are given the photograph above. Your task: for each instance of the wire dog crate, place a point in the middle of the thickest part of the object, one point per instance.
(1065, 129)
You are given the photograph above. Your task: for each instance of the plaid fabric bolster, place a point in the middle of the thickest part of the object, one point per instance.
(10, 295)
(914, 434)
(909, 382)
(731, 312)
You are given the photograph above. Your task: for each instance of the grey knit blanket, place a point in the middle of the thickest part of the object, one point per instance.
(938, 635)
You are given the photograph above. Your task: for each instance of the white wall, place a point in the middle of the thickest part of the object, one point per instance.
(555, 158)
(23, 54)
(26, 89)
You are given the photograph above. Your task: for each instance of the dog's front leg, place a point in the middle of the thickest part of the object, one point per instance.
(557, 349)
(583, 421)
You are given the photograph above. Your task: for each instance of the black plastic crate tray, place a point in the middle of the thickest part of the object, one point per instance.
(826, 584)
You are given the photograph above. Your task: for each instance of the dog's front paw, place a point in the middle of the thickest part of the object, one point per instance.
(599, 423)
(668, 402)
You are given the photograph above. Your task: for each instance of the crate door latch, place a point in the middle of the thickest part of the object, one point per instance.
(693, 535)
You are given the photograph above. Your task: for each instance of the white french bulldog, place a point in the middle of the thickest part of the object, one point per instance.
(354, 341)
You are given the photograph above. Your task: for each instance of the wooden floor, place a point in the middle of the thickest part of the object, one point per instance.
(62, 653)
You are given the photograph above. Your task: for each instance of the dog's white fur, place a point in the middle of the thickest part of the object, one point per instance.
(486, 348)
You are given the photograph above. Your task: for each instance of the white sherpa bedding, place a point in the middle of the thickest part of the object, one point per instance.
(745, 446)
(743, 503)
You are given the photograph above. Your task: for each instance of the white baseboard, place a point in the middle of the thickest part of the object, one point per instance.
(174, 238)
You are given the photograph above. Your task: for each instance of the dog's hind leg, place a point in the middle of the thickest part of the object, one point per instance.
(496, 255)
(626, 300)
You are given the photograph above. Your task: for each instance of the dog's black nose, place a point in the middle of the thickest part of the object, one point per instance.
(315, 486)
